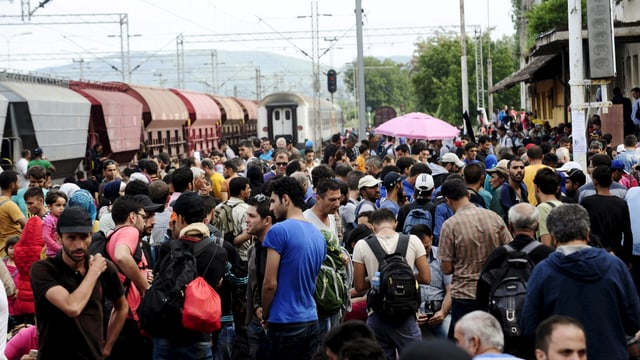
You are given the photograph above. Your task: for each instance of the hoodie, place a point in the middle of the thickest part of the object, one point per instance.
(591, 286)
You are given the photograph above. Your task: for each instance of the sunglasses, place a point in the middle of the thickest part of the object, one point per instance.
(281, 164)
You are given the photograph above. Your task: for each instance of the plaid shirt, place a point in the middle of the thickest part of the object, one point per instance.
(466, 240)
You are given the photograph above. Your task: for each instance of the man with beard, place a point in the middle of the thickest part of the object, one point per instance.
(512, 192)
(68, 290)
(288, 305)
(150, 210)
(12, 220)
(395, 197)
(574, 180)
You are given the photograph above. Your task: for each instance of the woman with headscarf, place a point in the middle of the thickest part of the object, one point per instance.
(84, 199)
(256, 179)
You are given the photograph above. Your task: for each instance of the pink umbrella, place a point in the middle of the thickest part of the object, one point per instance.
(418, 126)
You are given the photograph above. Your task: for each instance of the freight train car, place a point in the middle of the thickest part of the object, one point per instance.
(67, 118)
(43, 112)
(286, 114)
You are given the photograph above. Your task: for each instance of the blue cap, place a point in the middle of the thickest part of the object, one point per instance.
(618, 165)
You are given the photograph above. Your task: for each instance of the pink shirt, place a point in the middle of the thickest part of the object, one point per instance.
(129, 236)
(49, 235)
(24, 341)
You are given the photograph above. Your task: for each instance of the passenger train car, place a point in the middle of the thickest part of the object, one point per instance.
(67, 118)
(290, 115)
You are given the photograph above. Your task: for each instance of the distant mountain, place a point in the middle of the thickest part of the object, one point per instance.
(231, 73)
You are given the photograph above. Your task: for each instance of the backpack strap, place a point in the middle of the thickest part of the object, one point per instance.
(551, 204)
(532, 245)
(374, 245)
(527, 249)
(403, 245)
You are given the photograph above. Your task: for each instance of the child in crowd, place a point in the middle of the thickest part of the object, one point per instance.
(56, 201)
(11, 266)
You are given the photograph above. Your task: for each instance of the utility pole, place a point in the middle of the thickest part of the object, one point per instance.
(258, 84)
(362, 119)
(463, 65)
(522, 24)
(576, 75)
(80, 66)
(489, 71)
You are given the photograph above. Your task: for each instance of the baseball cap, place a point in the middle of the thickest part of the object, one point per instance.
(189, 205)
(391, 179)
(452, 158)
(618, 165)
(424, 182)
(620, 148)
(149, 205)
(37, 151)
(74, 219)
(576, 175)
(368, 181)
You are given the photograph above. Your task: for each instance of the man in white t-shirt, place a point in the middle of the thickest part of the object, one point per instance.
(397, 335)
(21, 168)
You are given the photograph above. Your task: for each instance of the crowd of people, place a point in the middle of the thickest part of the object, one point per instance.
(287, 219)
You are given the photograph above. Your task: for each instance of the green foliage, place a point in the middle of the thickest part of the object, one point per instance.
(437, 79)
(387, 83)
(549, 15)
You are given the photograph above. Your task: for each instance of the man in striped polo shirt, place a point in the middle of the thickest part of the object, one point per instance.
(466, 240)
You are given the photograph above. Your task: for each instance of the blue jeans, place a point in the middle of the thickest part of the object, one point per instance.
(258, 343)
(164, 349)
(293, 341)
(394, 337)
(223, 345)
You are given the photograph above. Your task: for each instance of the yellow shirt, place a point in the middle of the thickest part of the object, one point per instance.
(216, 184)
(360, 163)
(529, 174)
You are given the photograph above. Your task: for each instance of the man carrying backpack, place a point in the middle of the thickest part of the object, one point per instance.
(393, 321)
(321, 216)
(421, 210)
(523, 223)
(466, 240)
(181, 343)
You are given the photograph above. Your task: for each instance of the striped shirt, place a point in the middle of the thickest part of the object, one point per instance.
(466, 240)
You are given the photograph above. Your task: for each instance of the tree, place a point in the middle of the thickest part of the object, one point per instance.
(386, 83)
(436, 75)
(549, 15)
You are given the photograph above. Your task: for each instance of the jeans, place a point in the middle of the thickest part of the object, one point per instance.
(394, 337)
(293, 341)
(459, 308)
(258, 343)
(164, 349)
(440, 331)
(223, 345)
(328, 323)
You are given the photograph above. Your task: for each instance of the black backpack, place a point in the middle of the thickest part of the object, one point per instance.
(509, 288)
(399, 293)
(160, 310)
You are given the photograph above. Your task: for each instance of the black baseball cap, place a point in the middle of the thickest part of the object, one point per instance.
(74, 219)
(189, 204)
(149, 205)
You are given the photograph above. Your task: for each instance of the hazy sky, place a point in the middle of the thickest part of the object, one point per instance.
(154, 25)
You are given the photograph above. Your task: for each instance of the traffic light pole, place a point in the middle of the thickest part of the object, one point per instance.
(362, 119)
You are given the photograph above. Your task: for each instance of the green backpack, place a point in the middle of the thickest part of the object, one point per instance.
(332, 292)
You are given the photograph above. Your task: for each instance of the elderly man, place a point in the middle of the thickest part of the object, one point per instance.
(480, 335)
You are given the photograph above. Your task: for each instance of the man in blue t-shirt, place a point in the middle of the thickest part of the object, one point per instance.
(295, 251)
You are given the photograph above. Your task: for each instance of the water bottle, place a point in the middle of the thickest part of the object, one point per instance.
(375, 283)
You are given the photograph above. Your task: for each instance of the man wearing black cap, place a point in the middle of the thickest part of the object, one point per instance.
(574, 180)
(189, 228)
(395, 197)
(68, 290)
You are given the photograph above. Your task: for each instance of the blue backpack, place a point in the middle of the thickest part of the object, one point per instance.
(419, 215)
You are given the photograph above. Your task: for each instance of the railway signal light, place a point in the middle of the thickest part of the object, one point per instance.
(332, 81)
